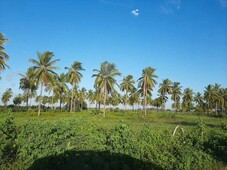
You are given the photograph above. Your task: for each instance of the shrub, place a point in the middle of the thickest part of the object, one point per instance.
(20, 146)
(8, 136)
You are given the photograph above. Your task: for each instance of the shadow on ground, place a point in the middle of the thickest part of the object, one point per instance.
(87, 160)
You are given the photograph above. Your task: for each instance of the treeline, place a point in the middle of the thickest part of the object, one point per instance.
(42, 75)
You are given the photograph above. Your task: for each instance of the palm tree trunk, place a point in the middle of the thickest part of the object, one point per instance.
(145, 105)
(105, 94)
(30, 103)
(60, 102)
(208, 107)
(27, 100)
(40, 99)
(216, 108)
(52, 102)
(74, 104)
(126, 95)
(71, 104)
(81, 106)
(104, 106)
(144, 99)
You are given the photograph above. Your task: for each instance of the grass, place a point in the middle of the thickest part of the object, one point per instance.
(157, 120)
(55, 135)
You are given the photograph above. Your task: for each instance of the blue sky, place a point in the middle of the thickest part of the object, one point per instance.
(185, 40)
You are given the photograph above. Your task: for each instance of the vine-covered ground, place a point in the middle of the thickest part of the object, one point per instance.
(121, 140)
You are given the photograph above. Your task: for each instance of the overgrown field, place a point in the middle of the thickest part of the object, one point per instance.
(85, 140)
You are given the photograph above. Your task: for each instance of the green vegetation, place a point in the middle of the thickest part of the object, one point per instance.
(3, 55)
(121, 140)
(191, 136)
(105, 80)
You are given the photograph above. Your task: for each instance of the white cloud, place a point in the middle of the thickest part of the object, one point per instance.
(135, 12)
(223, 3)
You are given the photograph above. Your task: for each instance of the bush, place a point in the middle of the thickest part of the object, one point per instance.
(21, 146)
(8, 136)
(216, 144)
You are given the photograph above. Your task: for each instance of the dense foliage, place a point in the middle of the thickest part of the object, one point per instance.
(68, 144)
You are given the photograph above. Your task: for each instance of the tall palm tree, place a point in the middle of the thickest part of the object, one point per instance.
(165, 88)
(97, 96)
(27, 83)
(162, 99)
(198, 98)
(105, 80)
(17, 100)
(216, 96)
(44, 67)
(223, 98)
(209, 96)
(115, 99)
(175, 95)
(134, 99)
(127, 85)
(146, 84)
(90, 97)
(62, 87)
(6, 96)
(82, 96)
(187, 99)
(157, 102)
(3, 55)
(53, 87)
(74, 77)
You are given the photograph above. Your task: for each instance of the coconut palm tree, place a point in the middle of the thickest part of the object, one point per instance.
(6, 96)
(62, 87)
(127, 85)
(18, 100)
(97, 96)
(115, 99)
(52, 86)
(105, 80)
(165, 88)
(157, 102)
(175, 95)
(223, 98)
(3, 55)
(146, 84)
(162, 99)
(134, 99)
(90, 97)
(74, 77)
(209, 96)
(187, 99)
(216, 96)
(27, 84)
(44, 71)
(82, 96)
(198, 98)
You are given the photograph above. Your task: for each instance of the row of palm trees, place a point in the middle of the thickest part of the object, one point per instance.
(42, 74)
